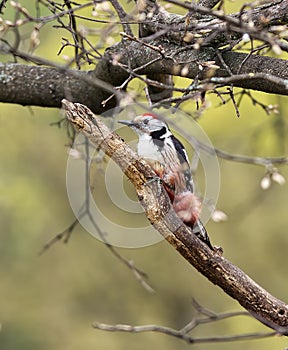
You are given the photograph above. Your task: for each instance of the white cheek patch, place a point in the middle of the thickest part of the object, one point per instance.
(147, 149)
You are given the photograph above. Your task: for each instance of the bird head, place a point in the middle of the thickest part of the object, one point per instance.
(147, 124)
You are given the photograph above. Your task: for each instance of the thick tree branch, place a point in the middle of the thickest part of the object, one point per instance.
(48, 86)
(161, 53)
(260, 304)
(172, 60)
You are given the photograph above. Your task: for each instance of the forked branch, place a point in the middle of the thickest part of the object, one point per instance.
(152, 196)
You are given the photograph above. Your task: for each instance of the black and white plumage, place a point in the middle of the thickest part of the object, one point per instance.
(168, 158)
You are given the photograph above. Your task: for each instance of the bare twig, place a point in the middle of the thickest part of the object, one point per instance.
(142, 42)
(266, 162)
(208, 3)
(2, 5)
(244, 77)
(64, 235)
(74, 30)
(49, 18)
(179, 334)
(122, 16)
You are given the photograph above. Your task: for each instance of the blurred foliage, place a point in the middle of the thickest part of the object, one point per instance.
(50, 301)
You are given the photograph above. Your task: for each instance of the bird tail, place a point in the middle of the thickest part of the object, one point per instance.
(200, 231)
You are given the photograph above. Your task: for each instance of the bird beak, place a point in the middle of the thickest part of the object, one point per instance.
(126, 122)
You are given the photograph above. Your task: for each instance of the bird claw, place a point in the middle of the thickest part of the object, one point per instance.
(152, 179)
(158, 181)
(217, 249)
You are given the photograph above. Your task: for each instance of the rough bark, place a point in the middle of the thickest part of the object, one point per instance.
(46, 87)
(43, 86)
(262, 305)
(175, 60)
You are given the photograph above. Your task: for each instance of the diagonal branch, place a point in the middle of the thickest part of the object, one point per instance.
(256, 300)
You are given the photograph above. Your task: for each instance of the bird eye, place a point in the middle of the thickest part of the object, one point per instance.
(145, 121)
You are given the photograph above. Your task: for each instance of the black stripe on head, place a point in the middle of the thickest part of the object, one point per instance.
(157, 134)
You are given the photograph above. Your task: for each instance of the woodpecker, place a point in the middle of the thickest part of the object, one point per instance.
(168, 158)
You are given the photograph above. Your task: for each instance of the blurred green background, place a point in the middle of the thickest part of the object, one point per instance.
(50, 301)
